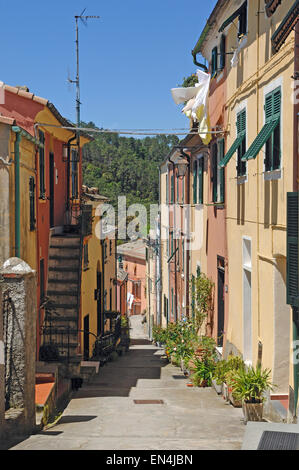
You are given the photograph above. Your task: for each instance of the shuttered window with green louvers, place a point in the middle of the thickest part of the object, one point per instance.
(195, 182)
(172, 190)
(200, 179)
(241, 132)
(270, 133)
(292, 249)
(214, 63)
(214, 172)
(222, 52)
(221, 172)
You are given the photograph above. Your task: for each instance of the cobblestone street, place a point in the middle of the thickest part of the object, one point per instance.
(109, 413)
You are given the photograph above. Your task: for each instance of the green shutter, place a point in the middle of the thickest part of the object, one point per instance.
(177, 189)
(222, 52)
(183, 191)
(231, 151)
(292, 249)
(167, 190)
(214, 60)
(222, 170)
(172, 189)
(214, 166)
(231, 18)
(260, 140)
(195, 182)
(241, 123)
(200, 180)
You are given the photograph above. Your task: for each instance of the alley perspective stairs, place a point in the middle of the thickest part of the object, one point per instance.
(63, 294)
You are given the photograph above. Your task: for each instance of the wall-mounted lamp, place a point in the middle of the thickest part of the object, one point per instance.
(182, 166)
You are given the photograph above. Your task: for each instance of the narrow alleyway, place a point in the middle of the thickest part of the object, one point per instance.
(105, 415)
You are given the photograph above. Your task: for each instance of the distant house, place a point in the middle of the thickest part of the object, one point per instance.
(133, 255)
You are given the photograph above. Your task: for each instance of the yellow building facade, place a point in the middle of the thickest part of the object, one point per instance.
(259, 173)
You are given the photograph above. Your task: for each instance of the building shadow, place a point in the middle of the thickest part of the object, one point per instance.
(117, 378)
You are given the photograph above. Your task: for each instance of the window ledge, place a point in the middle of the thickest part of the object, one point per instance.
(272, 175)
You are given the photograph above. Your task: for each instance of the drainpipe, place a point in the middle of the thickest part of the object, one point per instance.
(17, 131)
(175, 244)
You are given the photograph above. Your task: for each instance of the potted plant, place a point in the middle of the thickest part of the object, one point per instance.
(218, 379)
(250, 387)
(202, 372)
(230, 382)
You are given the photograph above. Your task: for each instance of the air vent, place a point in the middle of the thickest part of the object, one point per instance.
(274, 440)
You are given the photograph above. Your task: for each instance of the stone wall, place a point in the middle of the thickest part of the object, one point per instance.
(19, 312)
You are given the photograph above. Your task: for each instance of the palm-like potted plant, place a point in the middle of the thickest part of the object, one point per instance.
(202, 372)
(250, 386)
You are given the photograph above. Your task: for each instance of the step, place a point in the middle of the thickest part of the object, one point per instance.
(58, 285)
(62, 276)
(64, 262)
(61, 269)
(64, 306)
(65, 242)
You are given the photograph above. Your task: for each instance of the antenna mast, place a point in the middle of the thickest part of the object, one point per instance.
(77, 81)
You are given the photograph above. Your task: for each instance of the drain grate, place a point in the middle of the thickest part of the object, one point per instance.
(179, 377)
(274, 440)
(149, 402)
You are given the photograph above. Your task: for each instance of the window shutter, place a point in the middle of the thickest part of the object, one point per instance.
(200, 179)
(222, 52)
(292, 249)
(214, 166)
(167, 190)
(214, 60)
(172, 189)
(195, 182)
(221, 171)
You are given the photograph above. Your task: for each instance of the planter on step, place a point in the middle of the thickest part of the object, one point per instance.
(252, 411)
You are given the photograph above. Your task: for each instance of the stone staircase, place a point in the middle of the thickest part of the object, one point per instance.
(64, 292)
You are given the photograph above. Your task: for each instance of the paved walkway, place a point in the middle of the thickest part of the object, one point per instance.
(104, 415)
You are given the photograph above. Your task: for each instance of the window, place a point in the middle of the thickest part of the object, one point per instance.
(195, 182)
(222, 52)
(167, 190)
(105, 250)
(177, 188)
(292, 249)
(183, 190)
(217, 171)
(74, 180)
(200, 179)
(32, 202)
(214, 63)
(110, 299)
(241, 14)
(42, 187)
(241, 132)
(183, 255)
(172, 189)
(105, 300)
(85, 256)
(243, 20)
(273, 147)
(110, 247)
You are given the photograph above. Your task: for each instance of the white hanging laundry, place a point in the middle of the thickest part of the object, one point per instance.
(235, 59)
(197, 103)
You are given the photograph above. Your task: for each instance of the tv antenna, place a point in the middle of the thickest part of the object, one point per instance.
(84, 19)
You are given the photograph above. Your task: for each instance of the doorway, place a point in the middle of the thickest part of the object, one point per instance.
(220, 296)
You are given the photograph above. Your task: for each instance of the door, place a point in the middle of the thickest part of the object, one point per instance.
(99, 303)
(51, 188)
(86, 338)
(220, 319)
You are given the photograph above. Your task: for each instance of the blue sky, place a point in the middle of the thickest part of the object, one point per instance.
(129, 59)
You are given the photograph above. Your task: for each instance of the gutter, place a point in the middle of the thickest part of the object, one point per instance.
(17, 131)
